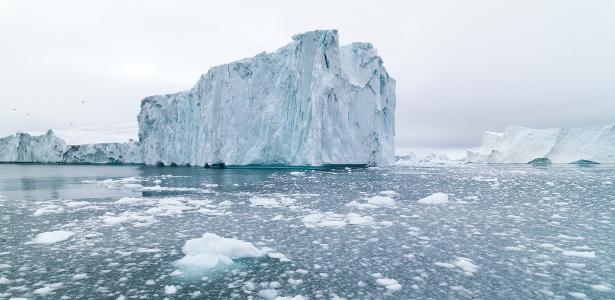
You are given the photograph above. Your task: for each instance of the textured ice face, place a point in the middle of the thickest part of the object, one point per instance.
(23, 147)
(48, 148)
(521, 145)
(309, 103)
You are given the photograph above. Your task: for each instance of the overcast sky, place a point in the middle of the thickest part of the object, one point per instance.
(462, 67)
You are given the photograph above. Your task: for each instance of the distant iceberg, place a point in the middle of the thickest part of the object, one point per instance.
(310, 103)
(48, 148)
(524, 145)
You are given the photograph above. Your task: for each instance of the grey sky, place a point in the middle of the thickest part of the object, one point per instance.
(462, 67)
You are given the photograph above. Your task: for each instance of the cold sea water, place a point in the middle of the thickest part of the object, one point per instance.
(421, 232)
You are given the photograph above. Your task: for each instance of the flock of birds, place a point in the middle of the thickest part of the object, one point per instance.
(28, 114)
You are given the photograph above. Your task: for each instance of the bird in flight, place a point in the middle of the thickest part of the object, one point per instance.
(14, 109)
(82, 101)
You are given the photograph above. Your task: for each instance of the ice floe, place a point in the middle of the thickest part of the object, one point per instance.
(52, 237)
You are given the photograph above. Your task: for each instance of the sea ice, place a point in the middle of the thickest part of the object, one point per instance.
(52, 237)
(211, 250)
(437, 198)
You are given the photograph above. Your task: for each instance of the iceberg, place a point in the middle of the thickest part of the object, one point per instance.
(310, 103)
(48, 148)
(524, 145)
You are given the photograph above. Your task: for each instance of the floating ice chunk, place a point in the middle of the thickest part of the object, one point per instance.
(389, 284)
(80, 276)
(357, 219)
(211, 250)
(170, 289)
(389, 193)
(578, 295)
(329, 219)
(76, 203)
(444, 265)
(600, 287)
(437, 198)
(48, 209)
(298, 297)
(48, 288)
(381, 201)
(129, 200)
(583, 254)
(373, 202)
(111, 220)
(297, 173)
(266, 202)
(4, 280)
(466, 265)
(269, 294)
(52, 237)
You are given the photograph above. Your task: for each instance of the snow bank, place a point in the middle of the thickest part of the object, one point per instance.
(521, 145)
(52, 237)
(308, 103)
(211, 250)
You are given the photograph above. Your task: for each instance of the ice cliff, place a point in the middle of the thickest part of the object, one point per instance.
(311, 102)
(522, 145)
(48, 148)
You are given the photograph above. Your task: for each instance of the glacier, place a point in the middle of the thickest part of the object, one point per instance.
(310, 103)
(522, 145)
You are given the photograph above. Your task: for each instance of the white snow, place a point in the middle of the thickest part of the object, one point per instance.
(52, 237)
(521, 145)
(437, 198)
(311, 102)
(4, 280)
(211, 250)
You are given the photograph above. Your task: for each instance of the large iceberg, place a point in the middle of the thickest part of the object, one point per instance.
(308, 103)
(522, 145)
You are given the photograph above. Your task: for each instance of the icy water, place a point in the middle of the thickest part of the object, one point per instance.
(506, 232)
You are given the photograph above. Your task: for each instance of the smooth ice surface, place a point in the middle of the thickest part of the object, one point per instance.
(522, 145)
(310, 102)
(507, 231)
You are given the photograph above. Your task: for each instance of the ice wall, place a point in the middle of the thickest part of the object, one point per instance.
(308, 103)
(521, 145)
(48, 148)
